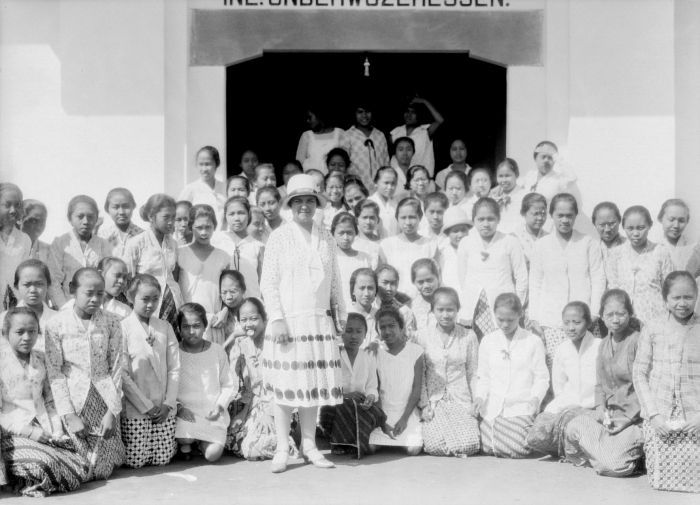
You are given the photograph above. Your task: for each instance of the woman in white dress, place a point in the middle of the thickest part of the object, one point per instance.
(512, 380)
(315, 143)
(201, 263)
(344, 230)
(301, 287)
(246, 252)
(565, 266)
(400, 370)
(206, 388)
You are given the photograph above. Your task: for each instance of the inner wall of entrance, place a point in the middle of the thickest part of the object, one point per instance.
(267, 98)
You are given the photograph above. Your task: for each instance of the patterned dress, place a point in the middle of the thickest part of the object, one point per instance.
(151, 378)
(641, 275)
(422, 314)
(666, 376)
(145, 255)
(67, 257)
(300, 284)
(84, 365)
(26, 400)
(251, 434)
(448, 386)
(117, 238)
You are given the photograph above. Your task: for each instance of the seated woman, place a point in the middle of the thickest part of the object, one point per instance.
(251, 434)
(84, 365)
(611, 441)
(400, 371)
(451, 353)
(33, 446)
(206, 387)
(573, 381)
(224, 327)
(351, 423)
(512, 380)
(668, 387)
(574, 364)
(150, 379)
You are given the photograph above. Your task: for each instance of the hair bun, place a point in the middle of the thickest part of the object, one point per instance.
(143, 212)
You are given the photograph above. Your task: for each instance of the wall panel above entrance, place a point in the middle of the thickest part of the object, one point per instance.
(225, 37)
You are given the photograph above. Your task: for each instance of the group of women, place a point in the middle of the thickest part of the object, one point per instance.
(370, 303)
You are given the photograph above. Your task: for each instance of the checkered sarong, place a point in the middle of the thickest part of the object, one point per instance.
(673, 462)
(452, 431)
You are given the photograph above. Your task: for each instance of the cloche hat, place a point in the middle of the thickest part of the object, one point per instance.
(302, 185)
(454, 216)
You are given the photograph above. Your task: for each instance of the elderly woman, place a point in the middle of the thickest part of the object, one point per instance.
(301, 287)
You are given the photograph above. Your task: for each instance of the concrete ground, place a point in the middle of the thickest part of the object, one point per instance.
(386, 478)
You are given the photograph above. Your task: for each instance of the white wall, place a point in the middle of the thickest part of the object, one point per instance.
(621, 101)
(687, 67)
(81, 95)
(99, 94)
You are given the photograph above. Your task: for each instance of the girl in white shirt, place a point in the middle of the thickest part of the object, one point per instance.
(368, 223)
(268, 199)
(574, 367)
(335, 184)
(479, 183)
(14, 245)
(425, 276)
(386, 181)
(456, 185)
(403, 249)
(512, 382)
(489, 258)
(246, 252)
(508, 195)
(360, 393)
(363, 292)
(344, 231)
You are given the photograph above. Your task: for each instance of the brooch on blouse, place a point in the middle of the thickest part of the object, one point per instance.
(484, 255)
(150, 338)
(505, 354)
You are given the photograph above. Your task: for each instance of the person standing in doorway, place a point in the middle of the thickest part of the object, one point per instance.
(367, 145)
(422, 134)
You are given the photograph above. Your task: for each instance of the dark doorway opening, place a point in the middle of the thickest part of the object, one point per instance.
(266, 100)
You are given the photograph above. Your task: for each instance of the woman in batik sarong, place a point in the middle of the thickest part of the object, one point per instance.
(451, 353)
(37, 453)
(251, 434)
(667, 382)
(350, 424)
(83, 362)
(512, 380)
(155, 252)
(150, 380)
(611, 439)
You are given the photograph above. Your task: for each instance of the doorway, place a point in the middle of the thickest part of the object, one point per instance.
(267, 97)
